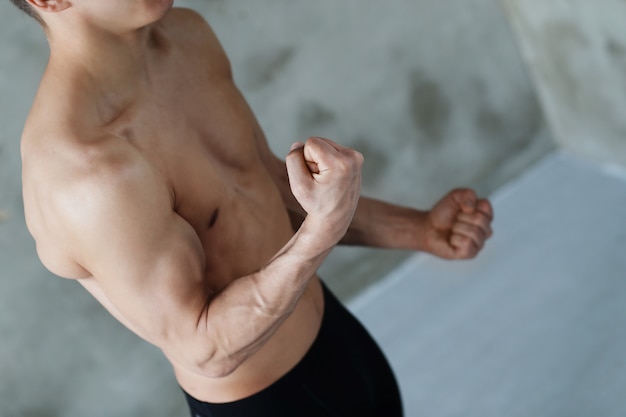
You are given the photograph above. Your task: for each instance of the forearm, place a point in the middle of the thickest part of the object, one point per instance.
(245, 315)
(380, 224)
(375, 223)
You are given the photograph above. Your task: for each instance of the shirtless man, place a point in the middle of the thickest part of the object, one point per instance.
(147, 178)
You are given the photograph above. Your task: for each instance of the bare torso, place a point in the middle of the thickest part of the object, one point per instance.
(194, 128)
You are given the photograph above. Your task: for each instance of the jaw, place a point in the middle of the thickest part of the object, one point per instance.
(113, 16)
(160, 9)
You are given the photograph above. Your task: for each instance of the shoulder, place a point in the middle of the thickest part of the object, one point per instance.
(191, 30)
(85, 188)
(103, 172)
(190, 17)
(71, 159)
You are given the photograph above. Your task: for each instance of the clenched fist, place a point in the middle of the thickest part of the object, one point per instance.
(458, 225)
(325, 178)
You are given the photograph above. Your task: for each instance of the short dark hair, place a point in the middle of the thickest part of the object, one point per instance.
(24, 6)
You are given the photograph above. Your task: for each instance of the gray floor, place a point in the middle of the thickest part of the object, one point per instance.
(535, 325)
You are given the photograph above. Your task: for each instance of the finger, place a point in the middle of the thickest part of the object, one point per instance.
(465, 198)
(470, 231)
(313, 168)
(329, 142)
(297, 169)
(485, 207)
(329, 156)
(297, 145)
(320, 152)
(339, 148)
(464, 247)
(478, 219)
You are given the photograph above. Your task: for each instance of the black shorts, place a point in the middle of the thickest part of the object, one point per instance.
(344, 374)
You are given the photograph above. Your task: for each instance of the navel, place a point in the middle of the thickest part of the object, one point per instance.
(213, 218)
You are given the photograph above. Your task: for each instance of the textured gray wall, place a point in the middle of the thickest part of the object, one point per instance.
(432, 91)
(576, 51)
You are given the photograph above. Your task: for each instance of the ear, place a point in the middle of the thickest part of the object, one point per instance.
(49, 6)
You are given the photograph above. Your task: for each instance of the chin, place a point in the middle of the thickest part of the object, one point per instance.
(160, 8)
(166, 5)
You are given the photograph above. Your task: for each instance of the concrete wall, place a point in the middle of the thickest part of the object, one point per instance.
(576, 51)
(432, 91)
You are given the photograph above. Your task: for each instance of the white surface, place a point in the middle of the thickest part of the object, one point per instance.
(535, 325)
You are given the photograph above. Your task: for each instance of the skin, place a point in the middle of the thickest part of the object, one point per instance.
(148, 180)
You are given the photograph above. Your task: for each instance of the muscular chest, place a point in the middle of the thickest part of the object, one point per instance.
(203, 140)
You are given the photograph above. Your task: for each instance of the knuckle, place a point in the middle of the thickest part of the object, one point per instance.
(347, 165)
(360, 159)
(356, 158)
(311, 142)
(465, 193)
(342, 164)
(294, 153)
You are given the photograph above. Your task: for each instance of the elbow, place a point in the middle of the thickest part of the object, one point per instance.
(220, 363)
(218, 368)
(197, 359)
(211, 368)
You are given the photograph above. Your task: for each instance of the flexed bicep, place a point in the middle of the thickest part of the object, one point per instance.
(149, 264)
(145, 260)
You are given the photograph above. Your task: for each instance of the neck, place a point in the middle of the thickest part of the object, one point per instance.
(113, 68)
